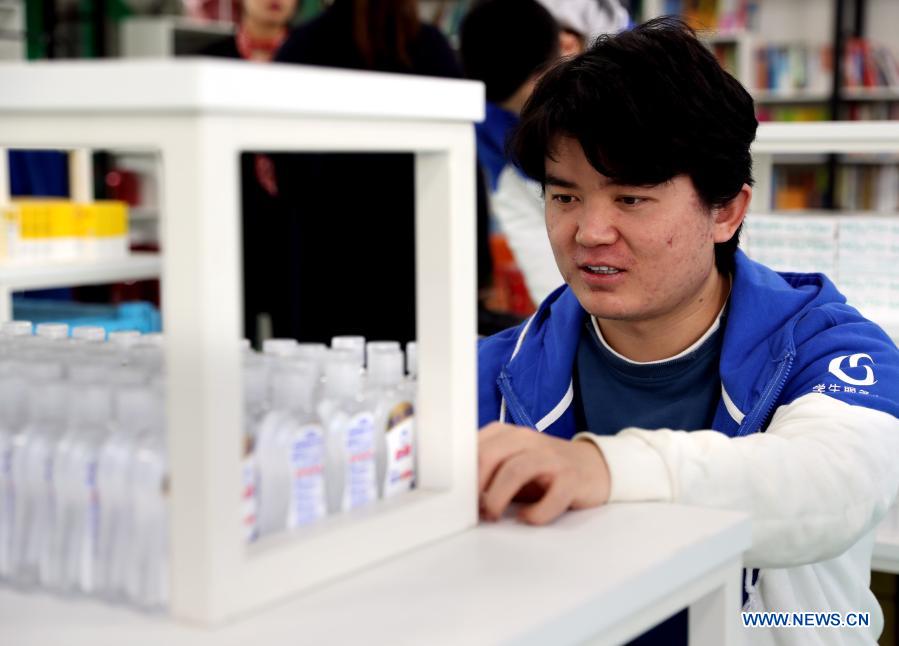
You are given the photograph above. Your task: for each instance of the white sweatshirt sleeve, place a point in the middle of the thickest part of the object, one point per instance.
(822, 475)
(518, 207)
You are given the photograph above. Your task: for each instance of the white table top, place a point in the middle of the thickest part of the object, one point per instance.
(506, 582)
(233, 87)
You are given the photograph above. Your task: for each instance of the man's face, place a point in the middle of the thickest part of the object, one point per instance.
(630, 253)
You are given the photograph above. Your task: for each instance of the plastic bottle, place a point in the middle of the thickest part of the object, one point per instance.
(412, 361)
(75, 479)
(355, 344)
(255, 389)
(132, 403)
(279, 347)
(377, 346)
(125, 338)
(13, 415)
(16, 328)
(348, 417)
(34, 472)
(147, 574)
(294, 392)
(89, 333)
(52, 331)
(394, 423)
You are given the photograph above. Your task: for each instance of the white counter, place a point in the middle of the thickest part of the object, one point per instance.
(608, 573)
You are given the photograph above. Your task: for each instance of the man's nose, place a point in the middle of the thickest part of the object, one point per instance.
(597, 225)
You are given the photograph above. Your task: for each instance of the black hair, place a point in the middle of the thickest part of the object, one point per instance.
(646, 105)
(505, 42)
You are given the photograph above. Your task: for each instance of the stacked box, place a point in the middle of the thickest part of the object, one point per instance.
(35, 230)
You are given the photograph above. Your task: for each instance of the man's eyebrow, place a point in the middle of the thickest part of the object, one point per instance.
(552, 180)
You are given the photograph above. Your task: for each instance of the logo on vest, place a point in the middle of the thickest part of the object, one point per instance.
(836, 369)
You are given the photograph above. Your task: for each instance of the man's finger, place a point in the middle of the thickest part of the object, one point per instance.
(555, 502)
(497, 447)
(510, 477)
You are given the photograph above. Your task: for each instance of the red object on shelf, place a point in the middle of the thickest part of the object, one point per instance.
(123, 185)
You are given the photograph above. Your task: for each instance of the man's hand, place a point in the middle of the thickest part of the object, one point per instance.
(552, 475)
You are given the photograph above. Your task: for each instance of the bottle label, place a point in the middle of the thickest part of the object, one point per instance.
(249, 501)
(307, 477)
(399, 476)
(360, 486)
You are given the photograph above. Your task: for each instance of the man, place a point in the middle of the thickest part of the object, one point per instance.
(683, 371)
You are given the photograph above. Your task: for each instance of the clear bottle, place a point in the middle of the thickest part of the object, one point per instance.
(294, 392)
(77, 456)
(412, 361)
(279, 347)
(394, 422)
(13, 417)
(16, 328)
(34, 471)
(52, 331)
(256, 405)
(89, 333)
(125, 338)
(147, 573)
(355, 344)
(348, 417)
(132, 400)
(378, 346)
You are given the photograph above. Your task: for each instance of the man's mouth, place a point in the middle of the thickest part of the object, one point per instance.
(604, 270)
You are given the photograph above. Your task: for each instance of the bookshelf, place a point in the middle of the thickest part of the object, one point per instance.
(858, 248)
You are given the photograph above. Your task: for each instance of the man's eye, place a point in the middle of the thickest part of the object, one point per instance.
(563, 198)
(631, 200)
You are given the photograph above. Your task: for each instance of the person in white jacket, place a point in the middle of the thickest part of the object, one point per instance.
(670, 367)
(509, 68)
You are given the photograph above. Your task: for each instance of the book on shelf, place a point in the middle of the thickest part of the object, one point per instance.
(867, 187)
(723, 16)
(803, 69)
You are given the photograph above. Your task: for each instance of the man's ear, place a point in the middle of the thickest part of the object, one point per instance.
(729, 217)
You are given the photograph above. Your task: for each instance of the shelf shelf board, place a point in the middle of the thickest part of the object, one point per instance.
(823, 96)
(137, 266)
(790, 96)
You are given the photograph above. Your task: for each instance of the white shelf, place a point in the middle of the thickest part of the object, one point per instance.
(871, 94)
(606, 574)
(137, 266)
(197, 116)
(15, 277)
(827, 137)
(226, 87)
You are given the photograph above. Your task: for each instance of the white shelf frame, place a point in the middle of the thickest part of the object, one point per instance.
(198, 116)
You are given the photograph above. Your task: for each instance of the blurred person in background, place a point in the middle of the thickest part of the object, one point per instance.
(582, 21)
(351, 216)
(262, 26)
(510, 68)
